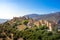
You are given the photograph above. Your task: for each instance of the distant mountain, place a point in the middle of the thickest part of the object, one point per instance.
(52, 16)
(33, 15)
(3, 20)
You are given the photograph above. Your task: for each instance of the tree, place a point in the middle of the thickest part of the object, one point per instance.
(25, 22)
(43, 27)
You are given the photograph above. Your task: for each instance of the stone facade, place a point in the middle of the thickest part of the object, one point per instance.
(30, 23)
(37, 23)
(50, 24)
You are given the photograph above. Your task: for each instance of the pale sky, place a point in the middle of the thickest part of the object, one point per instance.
(12, 8)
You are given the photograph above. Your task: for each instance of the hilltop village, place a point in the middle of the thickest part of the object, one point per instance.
(25, 28)
(52, 25)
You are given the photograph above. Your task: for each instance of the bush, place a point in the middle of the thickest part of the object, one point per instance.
(25, 22)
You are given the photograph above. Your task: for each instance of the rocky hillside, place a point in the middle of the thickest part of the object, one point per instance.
(24, 28)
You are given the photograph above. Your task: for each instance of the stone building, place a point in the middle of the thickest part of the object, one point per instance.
(30, 23)
(50, 24)
(37, 23)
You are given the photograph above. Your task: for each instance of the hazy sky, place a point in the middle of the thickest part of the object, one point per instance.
(11, 8)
